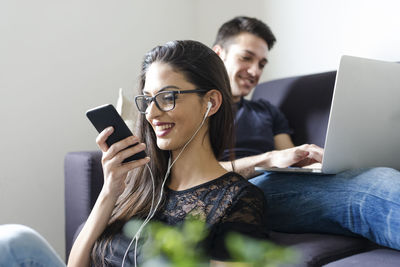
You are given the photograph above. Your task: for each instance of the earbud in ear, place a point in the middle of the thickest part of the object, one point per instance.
(209, 106)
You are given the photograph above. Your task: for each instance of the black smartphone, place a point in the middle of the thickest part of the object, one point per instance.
(106, 116)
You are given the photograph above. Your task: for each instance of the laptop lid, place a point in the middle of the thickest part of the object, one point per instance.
(364, 123)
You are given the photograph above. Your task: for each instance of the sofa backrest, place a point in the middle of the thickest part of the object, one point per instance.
(306, 102)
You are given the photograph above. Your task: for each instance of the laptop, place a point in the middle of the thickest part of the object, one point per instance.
(364, 121)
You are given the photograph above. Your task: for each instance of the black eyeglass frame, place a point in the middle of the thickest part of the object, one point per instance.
(174, 93)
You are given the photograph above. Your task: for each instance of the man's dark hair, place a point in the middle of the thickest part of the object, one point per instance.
(237, 25)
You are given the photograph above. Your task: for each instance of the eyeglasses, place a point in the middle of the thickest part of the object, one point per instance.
(165, 100)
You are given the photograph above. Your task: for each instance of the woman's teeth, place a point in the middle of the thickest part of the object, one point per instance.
(164, 127)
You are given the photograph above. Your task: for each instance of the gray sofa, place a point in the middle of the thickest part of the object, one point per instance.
(305, 100)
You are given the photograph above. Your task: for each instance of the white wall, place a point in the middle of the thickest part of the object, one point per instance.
(211, 14)
(313, 34)
(58, 59)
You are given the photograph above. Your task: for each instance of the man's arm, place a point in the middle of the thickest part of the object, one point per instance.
(245, 166)
(286, 155)
(283, 141)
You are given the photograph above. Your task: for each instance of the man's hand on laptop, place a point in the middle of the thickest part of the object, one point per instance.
(296, 156)
(317, 165)
(300, 156)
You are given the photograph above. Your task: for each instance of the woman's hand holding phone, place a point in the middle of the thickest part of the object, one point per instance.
(115, 171)
(121, 150)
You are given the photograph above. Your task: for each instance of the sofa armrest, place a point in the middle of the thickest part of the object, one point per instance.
(83, 177)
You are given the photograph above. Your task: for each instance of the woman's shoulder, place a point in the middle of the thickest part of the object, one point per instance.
(243, 211)
(239, 180)
(240, 186)
(230, 187)
(224, 191)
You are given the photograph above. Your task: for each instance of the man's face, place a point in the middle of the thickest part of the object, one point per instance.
(244, 57)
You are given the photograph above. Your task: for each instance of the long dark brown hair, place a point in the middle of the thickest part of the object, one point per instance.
(202, 67)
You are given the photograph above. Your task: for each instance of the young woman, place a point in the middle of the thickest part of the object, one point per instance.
(186, 124)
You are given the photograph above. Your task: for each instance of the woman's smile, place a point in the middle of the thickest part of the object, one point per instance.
(162, 128)
(173, 128)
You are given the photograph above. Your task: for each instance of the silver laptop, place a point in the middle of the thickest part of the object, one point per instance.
(364, 121)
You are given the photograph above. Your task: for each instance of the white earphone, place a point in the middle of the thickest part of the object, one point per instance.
(209, 106)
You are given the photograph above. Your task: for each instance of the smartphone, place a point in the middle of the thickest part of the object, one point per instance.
(106, 116)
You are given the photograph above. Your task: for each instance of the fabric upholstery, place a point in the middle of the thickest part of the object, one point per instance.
(319, 249)
(375, 258)
(83, 181)
(306, 102)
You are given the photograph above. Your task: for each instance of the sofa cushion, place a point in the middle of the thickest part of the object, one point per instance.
(305, 101)
(126, 107)
(374, 258)
(319, 249)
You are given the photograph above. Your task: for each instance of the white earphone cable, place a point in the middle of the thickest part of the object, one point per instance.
(151, 207)
(153, 211)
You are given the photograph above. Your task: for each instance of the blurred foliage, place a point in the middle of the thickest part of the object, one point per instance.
(260, 253)
(170, 246)
(178, 245)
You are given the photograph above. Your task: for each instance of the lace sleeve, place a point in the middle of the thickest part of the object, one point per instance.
(247, 216)
(247, 208)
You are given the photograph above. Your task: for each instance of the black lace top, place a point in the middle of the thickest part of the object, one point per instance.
(228, 203)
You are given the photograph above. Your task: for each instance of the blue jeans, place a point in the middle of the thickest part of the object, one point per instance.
(22, 246)
(362, 202)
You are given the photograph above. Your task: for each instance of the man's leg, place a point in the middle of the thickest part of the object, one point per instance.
(364, 202)
(22, 246)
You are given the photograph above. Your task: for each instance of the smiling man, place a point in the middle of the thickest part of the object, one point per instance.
(244, 61)
(363, 201)
(262, 131)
